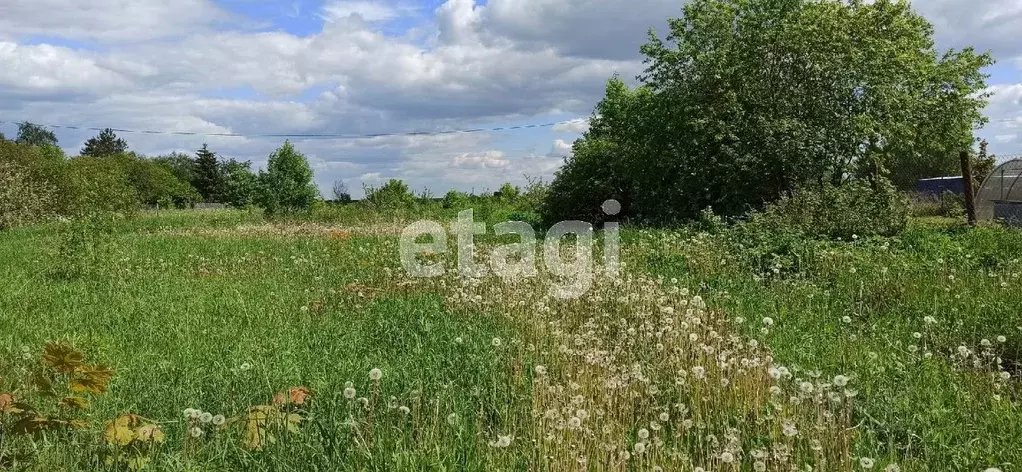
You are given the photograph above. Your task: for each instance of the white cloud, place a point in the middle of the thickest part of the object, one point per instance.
(561, 148)
(368, 11)
(109, 20)
(577, 126)
(486, 160)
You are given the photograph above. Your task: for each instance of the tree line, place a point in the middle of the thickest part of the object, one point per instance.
(39, 181)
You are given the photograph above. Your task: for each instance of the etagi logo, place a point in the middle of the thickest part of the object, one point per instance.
(574, 275)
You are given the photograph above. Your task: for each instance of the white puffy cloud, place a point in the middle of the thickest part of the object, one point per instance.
(561, 148)
(485, 160)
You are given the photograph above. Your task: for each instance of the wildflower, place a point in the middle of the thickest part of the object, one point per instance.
(846, 319)
(219, 420)
(404, 409)
(582, 414)
(985, 343)
(866, 462)
(640, 448)
(540, 370)
(574, 422)
(768, 321)
(775, 390)
(698, 372)
(892, 468)
(349, 393)
(759, 466)
(917, 335)
(452, 419)
(502, 441)
(774, 372)
(191, 413)
(458, 340)
(206, 417)
(1005, 375)
(840, 380)
(496, 342)
(643, 433)
(195, 432)
(664, 417)
(245, 367)
(992, 469)
(375, 374)
(789, 429)
(929, 320)
(806, 387)
(727, 457)
(1002, 339)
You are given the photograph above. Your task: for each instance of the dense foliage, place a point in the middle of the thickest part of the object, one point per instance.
(748, 101)
(286, 186)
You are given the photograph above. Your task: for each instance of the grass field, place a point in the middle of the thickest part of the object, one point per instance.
(708, 353)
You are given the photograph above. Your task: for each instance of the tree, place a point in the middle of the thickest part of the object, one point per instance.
(105, 144)
(239, 184)
(180, 164)
(746, 101)
(341, 192)
(394, 193)
(154, 184)
(286, 186)
(209, 175)
(35, 135)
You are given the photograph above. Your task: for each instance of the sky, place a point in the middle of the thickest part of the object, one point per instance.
(358, 67)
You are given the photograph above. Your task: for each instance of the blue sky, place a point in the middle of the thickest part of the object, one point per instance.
(367, 66)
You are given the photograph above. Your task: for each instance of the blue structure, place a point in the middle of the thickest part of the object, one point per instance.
(939, 185)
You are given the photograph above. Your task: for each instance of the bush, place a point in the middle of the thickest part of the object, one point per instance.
(286, 186)
(455, 199)
(393, 194)
(34, 183)
(857, 208)
(101, 185)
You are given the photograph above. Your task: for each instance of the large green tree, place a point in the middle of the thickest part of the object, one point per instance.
(286, 185)
(180, 164)
(746, 101)
(209, 175)
(105, 144)
(239, 184)
(35, 135)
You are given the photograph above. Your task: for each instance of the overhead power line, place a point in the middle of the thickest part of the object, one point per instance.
(312, 135)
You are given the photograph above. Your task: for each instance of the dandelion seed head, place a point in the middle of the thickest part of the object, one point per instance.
(375, 374)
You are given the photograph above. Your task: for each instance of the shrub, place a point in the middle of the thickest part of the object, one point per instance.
(857, 208)
(34, 183)
(393, 194)
(455, 199)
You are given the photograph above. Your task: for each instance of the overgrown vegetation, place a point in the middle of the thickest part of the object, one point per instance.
(745, 102)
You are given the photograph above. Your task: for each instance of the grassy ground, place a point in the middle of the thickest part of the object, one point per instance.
(220, 311)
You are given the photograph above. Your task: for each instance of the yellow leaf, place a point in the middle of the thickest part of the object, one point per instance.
(92, 379)
(119, 432)
(73, 402)
(149, 433)
(62, 357)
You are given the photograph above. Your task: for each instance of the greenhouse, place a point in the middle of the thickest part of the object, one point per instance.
(1000, 197)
